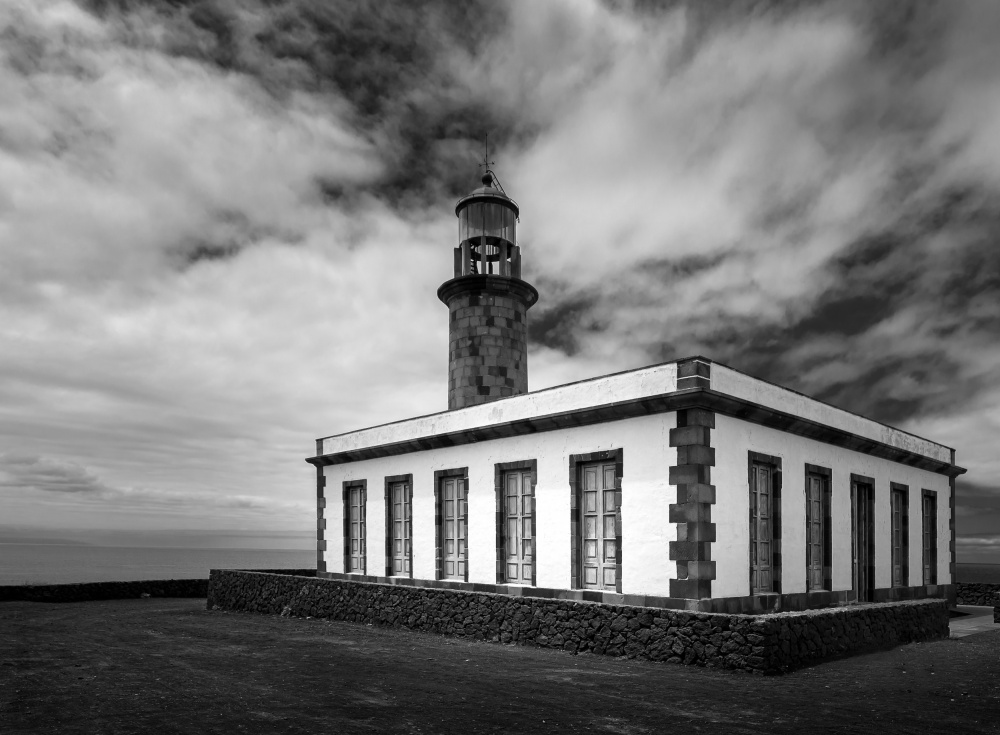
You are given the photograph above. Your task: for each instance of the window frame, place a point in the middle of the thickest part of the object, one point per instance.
(826, 476)
(929, 565)
(348, 486)
(758, 458)
(391, 480)
(899, 556)
(439, 476)
(576, 462)
(500, 471)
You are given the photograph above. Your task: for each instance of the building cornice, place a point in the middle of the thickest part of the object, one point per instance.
(698, 397)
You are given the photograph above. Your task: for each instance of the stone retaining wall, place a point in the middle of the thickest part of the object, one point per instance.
(104, 590)
(766, 644)
(981, 593)
(120, 590)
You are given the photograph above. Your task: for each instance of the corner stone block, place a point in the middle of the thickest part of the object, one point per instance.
(696, 454)
(702, 532)
(694, 367)
(696, 492)
(690, 589)
(684, 436)
(690, 513)
(690, 551)
(696, 417)
(689, 474)
(704, 570)
(693, 381)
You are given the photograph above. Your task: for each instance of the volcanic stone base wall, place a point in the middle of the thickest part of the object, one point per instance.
(984, 594)
(766, 644)
(104, 590)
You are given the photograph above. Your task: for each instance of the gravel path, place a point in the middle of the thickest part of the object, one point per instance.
(170, 666)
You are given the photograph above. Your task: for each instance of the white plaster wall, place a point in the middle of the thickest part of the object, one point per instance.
(646, 496)
(736, 384)
(733, 438)
(633, 384)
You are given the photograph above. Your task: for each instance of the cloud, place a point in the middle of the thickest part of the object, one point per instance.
(222, 223)
(22, 474)
(44, 475)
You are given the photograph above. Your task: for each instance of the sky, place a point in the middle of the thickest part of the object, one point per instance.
(223, 224)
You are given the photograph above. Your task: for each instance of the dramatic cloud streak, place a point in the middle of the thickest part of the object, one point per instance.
(222, 223)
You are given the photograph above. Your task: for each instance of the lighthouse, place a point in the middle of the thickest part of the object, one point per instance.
(487, 301)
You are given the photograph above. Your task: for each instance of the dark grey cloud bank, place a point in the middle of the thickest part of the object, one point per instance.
(806, 191)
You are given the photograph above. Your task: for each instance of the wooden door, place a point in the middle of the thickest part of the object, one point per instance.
(399, 494)
(453, 517)
(518, 514)
(356, 511)
(815, 487)
(896, 533)
(930, 539)
(862, 540)
(761, 495)
(599, 512)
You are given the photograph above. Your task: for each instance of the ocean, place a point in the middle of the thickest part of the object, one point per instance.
(977, 573)
(33, 563)
(52, 563)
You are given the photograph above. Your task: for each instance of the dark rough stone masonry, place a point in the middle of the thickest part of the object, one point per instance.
(764, 644)
(983, 594)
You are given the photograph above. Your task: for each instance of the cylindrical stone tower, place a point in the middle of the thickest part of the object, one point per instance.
(487, 301)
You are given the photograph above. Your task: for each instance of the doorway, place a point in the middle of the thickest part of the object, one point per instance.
(863, 538)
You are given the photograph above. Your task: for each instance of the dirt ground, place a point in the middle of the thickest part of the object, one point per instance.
(170, 666)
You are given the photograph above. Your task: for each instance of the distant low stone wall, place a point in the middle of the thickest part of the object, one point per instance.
(104, 590)
(121, 590)
(766, 644)
(980, 593)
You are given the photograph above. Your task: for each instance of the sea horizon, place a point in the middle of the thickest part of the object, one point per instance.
(44, 563)
(70, 562)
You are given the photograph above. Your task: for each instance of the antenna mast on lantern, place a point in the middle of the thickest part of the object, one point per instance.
(486, 163)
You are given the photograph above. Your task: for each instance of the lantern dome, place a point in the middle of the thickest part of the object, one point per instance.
(487, 232)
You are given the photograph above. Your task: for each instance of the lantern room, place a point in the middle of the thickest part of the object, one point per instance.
(487, 232)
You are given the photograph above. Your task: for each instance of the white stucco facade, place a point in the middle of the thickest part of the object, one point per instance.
(734, 438)
(635, 412)
(646, 495)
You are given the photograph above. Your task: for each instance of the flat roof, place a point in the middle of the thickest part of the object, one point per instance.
(686, 382)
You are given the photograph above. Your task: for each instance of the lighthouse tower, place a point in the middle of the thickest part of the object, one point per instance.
(487, 301)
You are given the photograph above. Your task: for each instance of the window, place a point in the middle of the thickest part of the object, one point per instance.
(930, 536)
(863, 537)
(818, 531)
(599, 513)
(398, 499)
(451, 490)
(595, 503)
(355, 497)
(515, 504)
(765, 523)
(900, 534)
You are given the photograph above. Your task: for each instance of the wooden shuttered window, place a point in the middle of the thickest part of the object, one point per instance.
(355, 551)
(929, 536)
(761, 528)
(399, 528)
(863, 537)
(453, 510)
(818, 530)
(899, 534)
(518, 520)
(599, 516)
